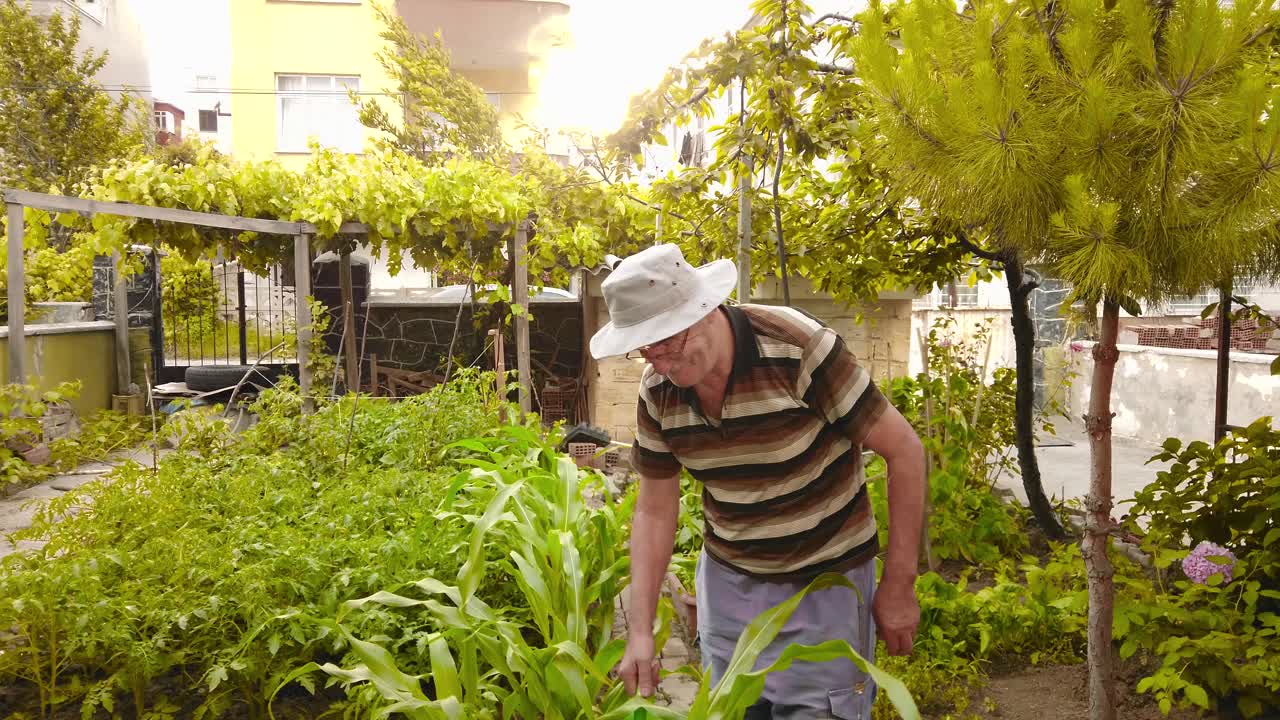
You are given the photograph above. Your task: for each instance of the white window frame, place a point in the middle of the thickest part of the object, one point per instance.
(317, 101)
(1195, 304)
(163, 120)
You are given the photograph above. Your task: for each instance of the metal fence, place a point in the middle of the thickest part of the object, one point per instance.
(250, 318)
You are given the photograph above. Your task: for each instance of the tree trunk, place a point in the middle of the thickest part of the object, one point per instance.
(1024, 341)
(1098, 519)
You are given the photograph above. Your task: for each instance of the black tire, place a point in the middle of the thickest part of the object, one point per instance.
(203, 378)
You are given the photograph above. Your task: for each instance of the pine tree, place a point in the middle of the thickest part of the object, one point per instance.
(1130, 146)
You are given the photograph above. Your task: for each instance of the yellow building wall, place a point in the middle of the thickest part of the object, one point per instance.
(518, 102)
(84, 355)
(270, 37)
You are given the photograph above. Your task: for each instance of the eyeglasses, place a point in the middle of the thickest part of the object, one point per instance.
(654, 351)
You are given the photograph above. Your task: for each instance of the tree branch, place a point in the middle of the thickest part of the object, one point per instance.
(835, 69)
(834, 16)
(974, 249)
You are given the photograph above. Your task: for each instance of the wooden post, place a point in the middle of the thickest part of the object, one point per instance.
(348, 323)
(120, 313)
(590, 368)
(520, 296)
(17, 297)
(744, 231)
(373, 375)
(926, 547)
(1224, 363)
(302, 309)
(500, 369)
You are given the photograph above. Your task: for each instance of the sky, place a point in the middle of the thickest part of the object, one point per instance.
(622, 47)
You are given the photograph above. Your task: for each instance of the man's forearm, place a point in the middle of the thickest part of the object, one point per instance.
(907, 487)
(653, 535)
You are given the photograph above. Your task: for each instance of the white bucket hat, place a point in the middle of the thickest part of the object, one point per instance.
(655, 294)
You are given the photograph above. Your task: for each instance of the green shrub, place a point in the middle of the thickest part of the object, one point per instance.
(1220, 639)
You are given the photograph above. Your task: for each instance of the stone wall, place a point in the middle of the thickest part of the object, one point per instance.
(878, 334)
(417, 337)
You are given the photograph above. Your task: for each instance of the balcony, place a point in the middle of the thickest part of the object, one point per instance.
(488, 35)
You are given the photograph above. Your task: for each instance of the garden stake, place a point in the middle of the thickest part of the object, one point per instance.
(982, 381)
(926, 549)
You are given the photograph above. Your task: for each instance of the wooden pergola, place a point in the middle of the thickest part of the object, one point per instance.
(301, 232)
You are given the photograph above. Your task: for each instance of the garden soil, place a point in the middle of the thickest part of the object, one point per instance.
(1060, 692)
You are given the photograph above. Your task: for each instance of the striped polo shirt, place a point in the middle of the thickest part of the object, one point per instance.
(783, 489)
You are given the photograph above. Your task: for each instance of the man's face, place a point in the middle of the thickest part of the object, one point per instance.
(684, 358)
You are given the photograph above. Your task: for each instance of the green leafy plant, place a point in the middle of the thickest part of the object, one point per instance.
(22, 408)
(966, 425)
(1217, 637)
(156, 579)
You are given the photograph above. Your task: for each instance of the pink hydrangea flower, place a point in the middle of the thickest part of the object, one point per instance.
(1198, 567)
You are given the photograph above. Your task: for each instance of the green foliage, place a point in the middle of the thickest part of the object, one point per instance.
(441, 113)
(690, 529)
(966, 426)
(190, 292)
(21, 427)
(1117, 143)
(1218, 640)
(198, 575)
(56, 121)
(846, 227)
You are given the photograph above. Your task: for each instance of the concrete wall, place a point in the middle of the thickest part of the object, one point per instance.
(1165, 392)
(968, 322)
(881, 339)
(111, 27)
(60, 352)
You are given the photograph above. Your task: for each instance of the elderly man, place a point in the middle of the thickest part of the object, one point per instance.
(769, 411)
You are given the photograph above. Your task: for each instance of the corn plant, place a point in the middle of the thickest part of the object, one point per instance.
(566, 558)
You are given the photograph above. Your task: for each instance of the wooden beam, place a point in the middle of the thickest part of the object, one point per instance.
(590, 368)
(301, 292)
(120, 314)
(348, 323)
(62, 203)
(83, 206)
(744, 232)
(520, 296)
(17, 296)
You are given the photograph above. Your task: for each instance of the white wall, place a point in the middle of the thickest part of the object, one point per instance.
(187, 40)
(1165, 392)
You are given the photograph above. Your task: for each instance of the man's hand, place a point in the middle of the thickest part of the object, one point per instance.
(897, 613)
(639, 668)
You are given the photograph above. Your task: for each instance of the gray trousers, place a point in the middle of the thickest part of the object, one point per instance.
(729, 600)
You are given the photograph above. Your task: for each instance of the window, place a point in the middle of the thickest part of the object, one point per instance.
(317, 106)
(940, 297)
(1195, 304)
(495, 99)
(163, 120)
(209, 121)
(206, 82)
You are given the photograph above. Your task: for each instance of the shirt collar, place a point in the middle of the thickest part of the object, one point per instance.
(746, 348)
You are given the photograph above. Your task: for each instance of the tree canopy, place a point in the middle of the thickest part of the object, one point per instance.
(56, 121)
